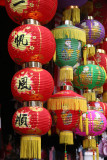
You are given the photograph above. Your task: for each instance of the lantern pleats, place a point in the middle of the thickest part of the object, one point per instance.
(30, 147)
(66, 137)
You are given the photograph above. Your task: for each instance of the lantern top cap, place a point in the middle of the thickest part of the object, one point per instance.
(30, 21)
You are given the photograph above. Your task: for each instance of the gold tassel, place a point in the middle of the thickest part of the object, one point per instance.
(54, 57)
(87, 124)
(89, 143)
(70, 32)
(90, 96)
(72, 103)
(66, 137)
(85, 55)
(67, 14)
(91, 51)
(76, 16)
(81, 124)
(30, 147)
(66, 73)
(93, 155)
(49, 132)
(99, 90)
(97, 151)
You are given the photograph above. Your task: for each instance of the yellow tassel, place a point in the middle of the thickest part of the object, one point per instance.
(66, 137)
(97, 152)
(70, 32)
(91, 51)
(87, 124)
(54, 57)
(65, 103)
(105, 97)
(85, 55)
(93, 155)
(81, 124)
(99, 90)
(90, 96)
(89, 143)
(66, 73)
(67, 14)
(49, 132)
(30, 147)
(76, 15)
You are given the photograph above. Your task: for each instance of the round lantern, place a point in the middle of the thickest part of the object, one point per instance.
(95, 31)
(99, 106)
(31, 122)
(68, 48)
(32, 84)
(64, 107)
(100, 58)
(31, 42)
(42, 11)
(96, 123)
(89, 76)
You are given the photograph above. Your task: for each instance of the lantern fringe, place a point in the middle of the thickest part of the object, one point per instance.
(85, 55)
(86, 124)
(90, 96)
(72, 14)
(91, 51)
(70, 32)
(54, 57)
(66, 137)
(89, 143)
(66, 73)
(67, 104)
(99, 90)
(30, 147)
(81, 124)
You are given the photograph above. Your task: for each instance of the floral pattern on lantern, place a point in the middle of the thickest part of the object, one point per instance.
(32, 84)
(29, 43)
(89, 76)
(42, 11)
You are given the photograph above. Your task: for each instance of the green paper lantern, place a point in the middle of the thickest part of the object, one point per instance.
(89, 76)
(67, 52)
(69, 40)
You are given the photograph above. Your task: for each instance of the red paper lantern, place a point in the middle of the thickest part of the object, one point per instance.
(41, 10)
(99, 106)
(2, 2)
(31, 42)
(105, 87)
(65, 119)
(32, 84)
(100, 58)
(31, 120)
